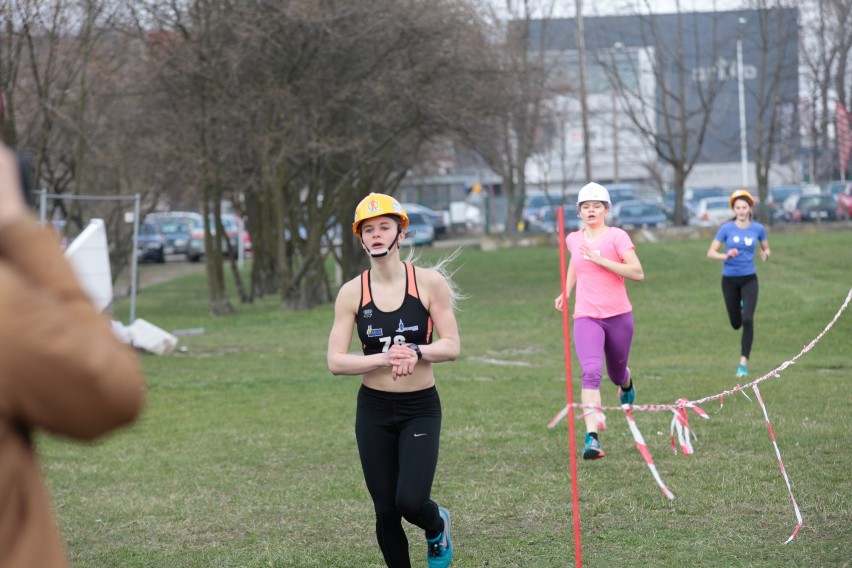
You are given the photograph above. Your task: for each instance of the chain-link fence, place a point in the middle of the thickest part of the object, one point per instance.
(69, 215)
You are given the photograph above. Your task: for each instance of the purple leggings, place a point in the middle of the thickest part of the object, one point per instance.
(610, 337)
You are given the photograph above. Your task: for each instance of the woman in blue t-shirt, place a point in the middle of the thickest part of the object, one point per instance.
(741, 237)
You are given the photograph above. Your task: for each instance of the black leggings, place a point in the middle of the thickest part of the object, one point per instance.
(743, 289)
(398, 436)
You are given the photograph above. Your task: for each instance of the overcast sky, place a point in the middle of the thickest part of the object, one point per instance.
(567, 9)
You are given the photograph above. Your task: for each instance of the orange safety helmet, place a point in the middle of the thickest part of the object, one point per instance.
(741, 193)
(377, 205)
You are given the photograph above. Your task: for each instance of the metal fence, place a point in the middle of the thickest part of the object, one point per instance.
(44, 197)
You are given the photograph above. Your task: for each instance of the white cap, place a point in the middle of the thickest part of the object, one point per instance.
(594, 192)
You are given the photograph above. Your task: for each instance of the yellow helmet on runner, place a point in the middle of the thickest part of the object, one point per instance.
(741, 193)
(377, 205)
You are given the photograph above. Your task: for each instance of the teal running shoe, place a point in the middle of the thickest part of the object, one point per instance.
(592, 450)
(742, 371)
(439, 550)
(629, 395)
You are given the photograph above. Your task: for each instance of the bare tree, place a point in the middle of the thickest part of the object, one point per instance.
(297, 110)
(73, 106)
(11, 47)
(774, 102)
(197, 79)
(675, 116)
(826, 41)
(516, 95)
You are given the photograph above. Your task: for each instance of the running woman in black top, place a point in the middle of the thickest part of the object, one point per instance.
(395, 307)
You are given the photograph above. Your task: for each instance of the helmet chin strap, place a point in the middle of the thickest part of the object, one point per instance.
(385, 251)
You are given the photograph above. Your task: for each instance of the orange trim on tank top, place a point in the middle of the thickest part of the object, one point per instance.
(412, 284)
(365, 288)
(366, 297)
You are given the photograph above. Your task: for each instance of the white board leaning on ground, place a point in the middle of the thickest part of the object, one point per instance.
(89, 256)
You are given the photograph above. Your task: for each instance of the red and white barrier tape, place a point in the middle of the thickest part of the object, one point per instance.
(643, 449)
(680, 422)
(781, 464)
(593, 409)
(683, 403)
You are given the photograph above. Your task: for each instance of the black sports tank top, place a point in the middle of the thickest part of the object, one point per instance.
(410, 323)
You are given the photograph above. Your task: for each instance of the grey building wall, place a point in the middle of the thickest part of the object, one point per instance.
(706, 54)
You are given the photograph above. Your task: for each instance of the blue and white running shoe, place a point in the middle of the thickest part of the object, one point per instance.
(439, 550)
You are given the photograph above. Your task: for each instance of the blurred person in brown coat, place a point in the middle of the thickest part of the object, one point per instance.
(62, 371)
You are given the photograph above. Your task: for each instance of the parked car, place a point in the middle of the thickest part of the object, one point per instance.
(231, 223)
(784, 212)
(420, 230)
(777, 196)
(692, 195)
(194, 223)
(803, 208)
(439, 222)
(637, 213)
(532, 204)
(835, 188)
(619, 192)
(234, 225)
(844, 203)
(176, 230)
(711, 212)
(332, 234)
(150, 244)
(668, 205)
(545, 220)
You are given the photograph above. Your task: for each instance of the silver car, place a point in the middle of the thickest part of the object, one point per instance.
(711, 212)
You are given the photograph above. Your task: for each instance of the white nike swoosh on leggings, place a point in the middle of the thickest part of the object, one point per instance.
(418, 435)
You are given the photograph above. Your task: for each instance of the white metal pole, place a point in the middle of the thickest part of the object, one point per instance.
(743, 137)
(615, 177)
(134, 262)
(241, 246)
(42, 206)
(584, 104)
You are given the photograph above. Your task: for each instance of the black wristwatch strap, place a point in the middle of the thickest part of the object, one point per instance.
(416, 349)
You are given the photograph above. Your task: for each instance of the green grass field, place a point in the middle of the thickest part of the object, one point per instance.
(245, 455)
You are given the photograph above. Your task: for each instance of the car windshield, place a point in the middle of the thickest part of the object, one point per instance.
(617, 195)
(188, 221)
(707, 192)
(641, 210)
(836, 187)
(812, 201)
(717, 204)
(537, 201)
(170, 227)
(782, 193)
(417, 219)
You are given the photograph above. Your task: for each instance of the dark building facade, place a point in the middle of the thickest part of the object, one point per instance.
(690, 59)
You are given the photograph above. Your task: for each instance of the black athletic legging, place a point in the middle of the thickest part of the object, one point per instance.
(398, 436)
(743, 289)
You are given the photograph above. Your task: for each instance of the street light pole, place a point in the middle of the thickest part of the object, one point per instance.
(616, 48)
(584, 105)
(615, 178)
(741, 86)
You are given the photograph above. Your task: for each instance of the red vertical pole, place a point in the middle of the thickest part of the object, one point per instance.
(569, 396)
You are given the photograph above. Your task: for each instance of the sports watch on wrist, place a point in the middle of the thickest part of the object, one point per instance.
(416, 348)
